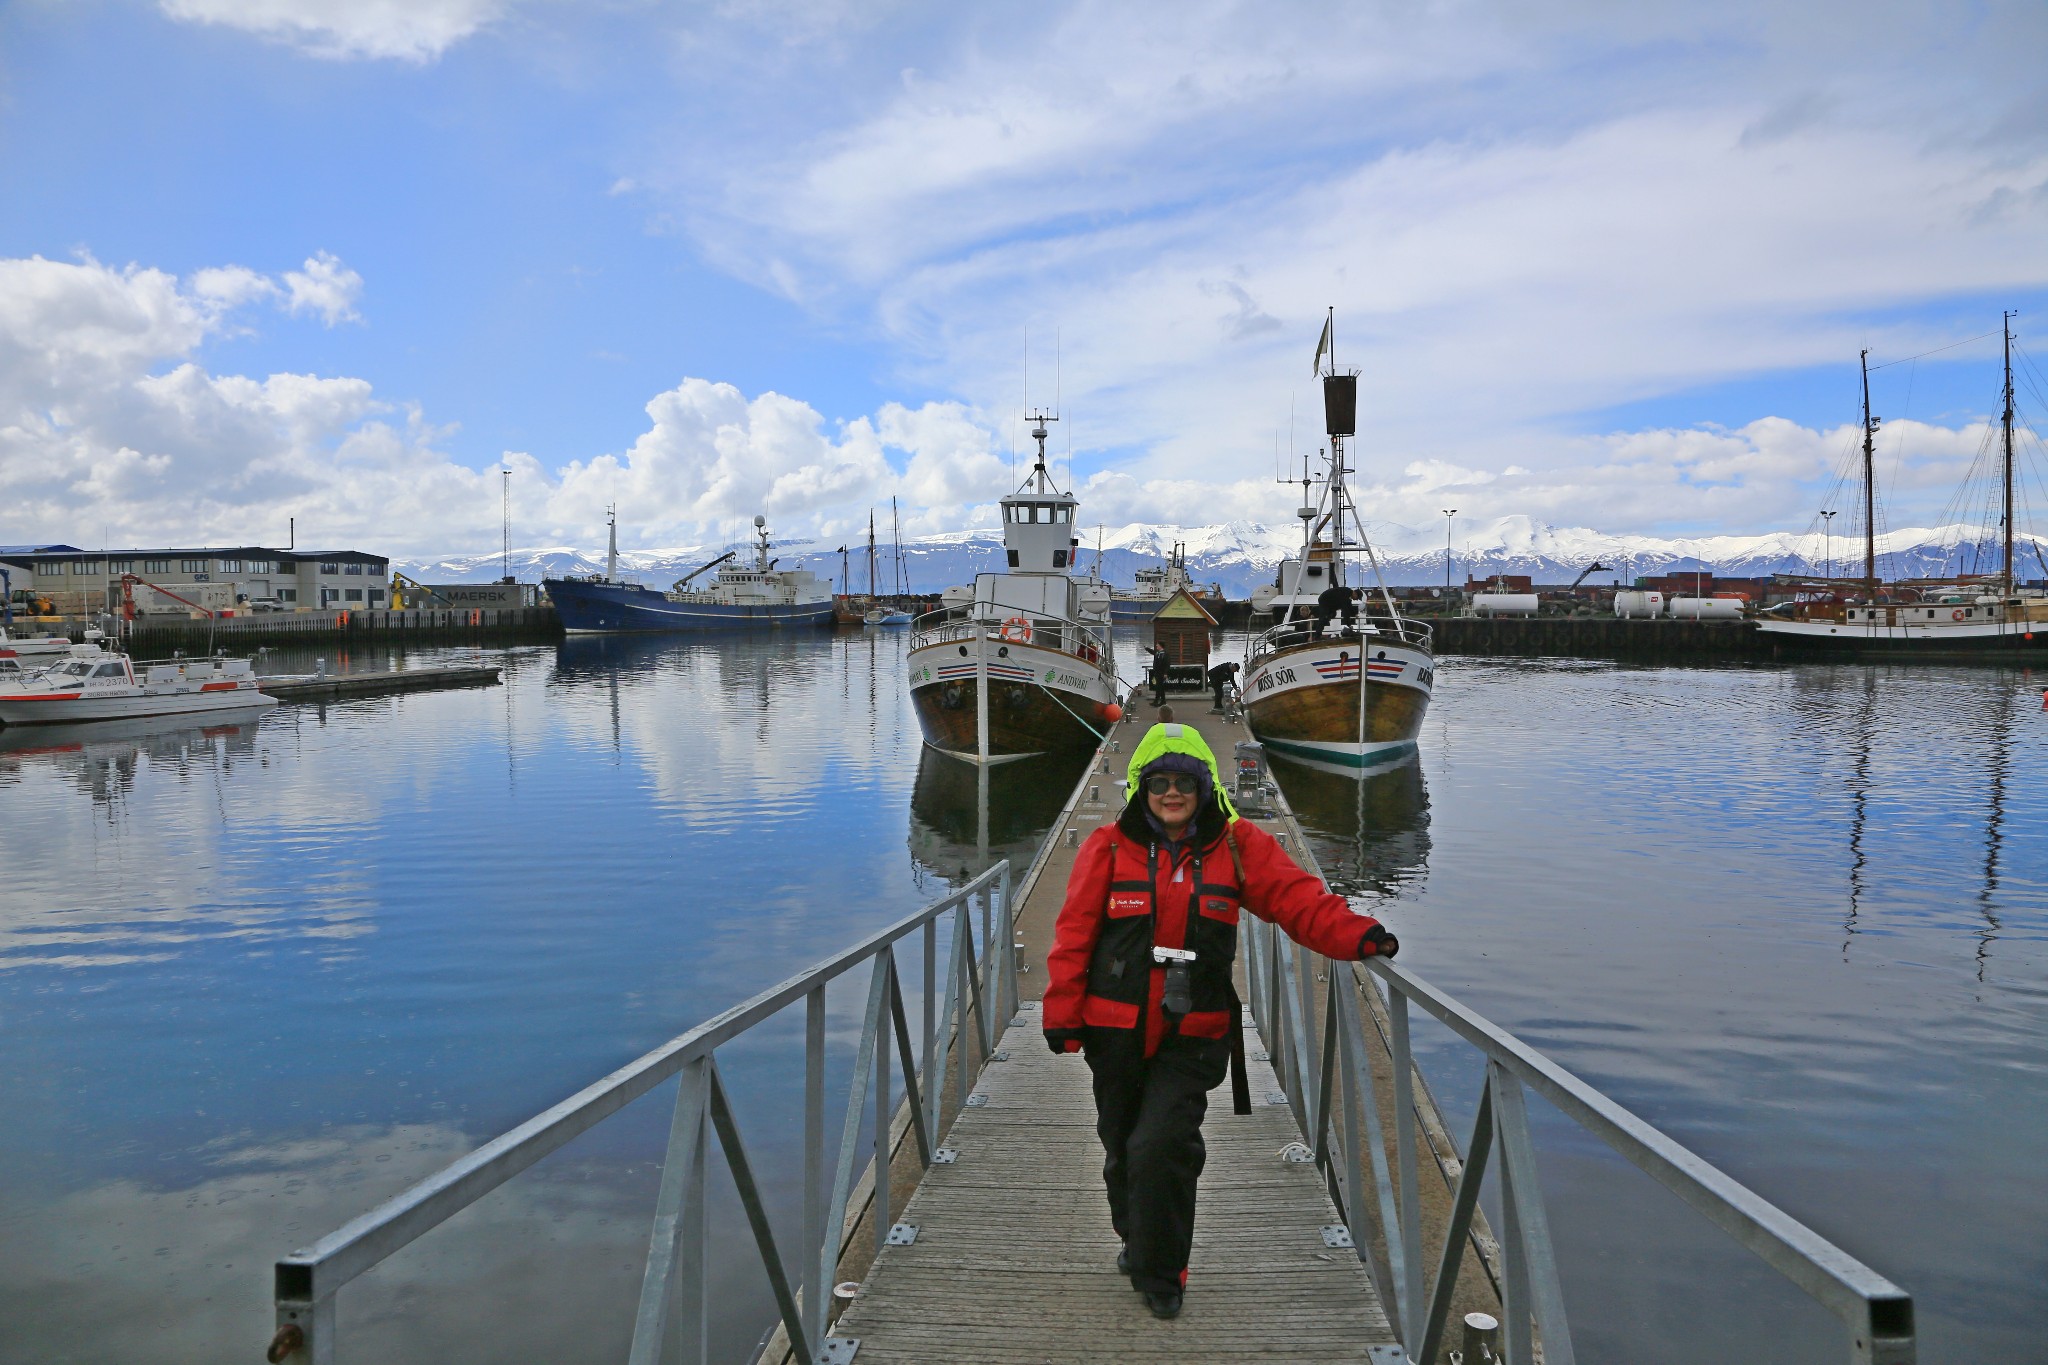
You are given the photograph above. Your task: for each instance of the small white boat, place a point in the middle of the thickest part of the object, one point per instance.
(882, 617)
(104, 686)
(33, 646)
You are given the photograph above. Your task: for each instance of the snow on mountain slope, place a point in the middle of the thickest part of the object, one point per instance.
(1241, 555)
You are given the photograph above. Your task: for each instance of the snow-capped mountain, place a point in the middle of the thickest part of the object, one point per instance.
(1241, 555)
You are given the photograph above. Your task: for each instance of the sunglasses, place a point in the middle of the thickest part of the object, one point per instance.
(1159, 784)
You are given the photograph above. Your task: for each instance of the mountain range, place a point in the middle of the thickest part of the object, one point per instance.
(1239, 556)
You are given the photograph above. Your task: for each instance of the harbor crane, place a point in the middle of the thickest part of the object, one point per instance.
(407, 592)
(1595, 567)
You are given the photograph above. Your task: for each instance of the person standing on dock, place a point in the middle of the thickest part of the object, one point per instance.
(1139, 980)
(1219, 679)
(1160, 667)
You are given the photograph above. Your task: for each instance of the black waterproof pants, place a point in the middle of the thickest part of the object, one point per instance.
(1148, 1113)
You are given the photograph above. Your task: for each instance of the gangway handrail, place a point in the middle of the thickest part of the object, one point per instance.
(1327, 1079)
(307, 1280)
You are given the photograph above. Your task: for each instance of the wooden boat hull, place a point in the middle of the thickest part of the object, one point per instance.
(1303, 702)
(1040, 700)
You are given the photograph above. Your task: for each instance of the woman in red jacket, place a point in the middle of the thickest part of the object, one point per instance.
(1172, 873)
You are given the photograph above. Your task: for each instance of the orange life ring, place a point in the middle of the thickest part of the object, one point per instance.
(1956, 615)
(1017, 630)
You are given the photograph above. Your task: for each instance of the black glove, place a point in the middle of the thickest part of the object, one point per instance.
(1378, 943)
(1059, 1039)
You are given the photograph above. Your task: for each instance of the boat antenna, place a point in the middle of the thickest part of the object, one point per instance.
(611, 558)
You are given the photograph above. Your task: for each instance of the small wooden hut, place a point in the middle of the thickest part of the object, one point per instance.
(1182, 625)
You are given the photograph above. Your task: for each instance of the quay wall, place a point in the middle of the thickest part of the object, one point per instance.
(1596, 637)
(308, 627)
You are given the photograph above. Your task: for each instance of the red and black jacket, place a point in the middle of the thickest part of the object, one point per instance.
(1130, 891)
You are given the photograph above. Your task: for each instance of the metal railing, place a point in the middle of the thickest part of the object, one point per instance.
(1327, 1077)
(1086, 643)
(1374, 626)
(673, 1303)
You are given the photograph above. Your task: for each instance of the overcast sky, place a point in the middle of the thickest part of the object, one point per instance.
(1604, 265)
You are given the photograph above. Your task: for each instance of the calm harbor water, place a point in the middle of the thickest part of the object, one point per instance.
(254, 978)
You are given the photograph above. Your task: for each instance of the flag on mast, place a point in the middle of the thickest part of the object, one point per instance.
(1323, 346)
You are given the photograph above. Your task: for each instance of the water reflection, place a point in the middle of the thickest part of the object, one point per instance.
(102, 759)
(966, 817)
(1369, 829)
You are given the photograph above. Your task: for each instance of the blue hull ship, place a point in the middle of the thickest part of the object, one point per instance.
(585, 606)
(742, 597)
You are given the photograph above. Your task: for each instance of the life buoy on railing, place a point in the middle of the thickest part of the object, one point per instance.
(1956, 615)
(1017, 630)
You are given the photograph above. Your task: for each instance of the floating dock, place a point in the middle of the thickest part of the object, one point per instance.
(1014, 1259)
(328, 686)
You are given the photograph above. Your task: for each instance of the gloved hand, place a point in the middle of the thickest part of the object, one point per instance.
(1063, 1039)
(1378, 943)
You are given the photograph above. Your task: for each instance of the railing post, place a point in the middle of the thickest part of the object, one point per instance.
(1463, 1204)
(934, 1083)
(1401, 1057)
(673, 1282)
(1532, 1260)
(885, 981)
(818, 1262)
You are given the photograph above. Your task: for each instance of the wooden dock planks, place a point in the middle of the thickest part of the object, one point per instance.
(1015, 1260)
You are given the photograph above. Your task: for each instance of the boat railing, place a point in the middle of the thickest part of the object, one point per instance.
(1326, 1076)
(1085, 642)
(979, 990)
(1302, 630)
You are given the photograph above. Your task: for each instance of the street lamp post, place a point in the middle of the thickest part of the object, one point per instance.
(1449, 513)
(1827, 521)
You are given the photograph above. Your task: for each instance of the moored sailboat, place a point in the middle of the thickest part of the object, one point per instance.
(1351, 693)
(1979, 616)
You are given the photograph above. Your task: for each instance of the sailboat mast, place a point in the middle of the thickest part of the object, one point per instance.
(1869, 484)
(2008, 456)
(871, 556)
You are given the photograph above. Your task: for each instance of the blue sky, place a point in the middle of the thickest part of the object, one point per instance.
(1601, 265)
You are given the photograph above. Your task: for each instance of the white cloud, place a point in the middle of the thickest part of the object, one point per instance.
(1521, 213)
(326, 287)
(404, 30)
(109, 419)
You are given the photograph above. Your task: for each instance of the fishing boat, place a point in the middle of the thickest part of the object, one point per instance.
(1350, 695)
(1156, 586)
(1020, 664)
(110, 686)
(1975, 616)
(756, 596)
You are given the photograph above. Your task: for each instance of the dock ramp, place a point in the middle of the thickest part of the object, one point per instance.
(1338, 1222)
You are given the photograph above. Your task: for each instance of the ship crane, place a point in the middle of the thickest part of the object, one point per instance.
(683, 582)
(1595, 567)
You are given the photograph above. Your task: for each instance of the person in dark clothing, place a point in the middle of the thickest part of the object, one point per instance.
(1333, 601)
(1159, 670)
(1219, 678)
(1172, 873)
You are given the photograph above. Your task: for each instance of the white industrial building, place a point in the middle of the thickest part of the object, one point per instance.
(245, 578)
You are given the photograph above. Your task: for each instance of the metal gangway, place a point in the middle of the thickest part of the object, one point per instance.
(1348, 1198)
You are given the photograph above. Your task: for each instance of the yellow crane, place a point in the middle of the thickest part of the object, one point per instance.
(406, 592)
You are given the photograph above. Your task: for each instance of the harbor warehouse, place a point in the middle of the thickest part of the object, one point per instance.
(79, 582)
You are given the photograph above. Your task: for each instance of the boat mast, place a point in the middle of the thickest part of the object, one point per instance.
(1869, 483)
(871, 556)
(611, 558)
(2008, 457)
